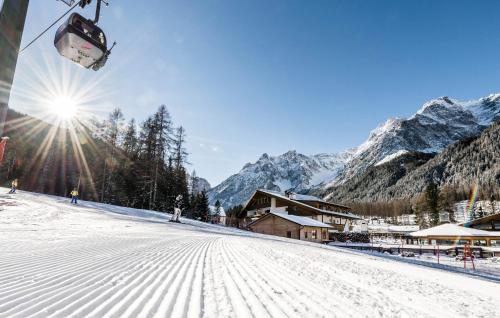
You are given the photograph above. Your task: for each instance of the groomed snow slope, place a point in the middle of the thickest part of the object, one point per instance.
(64, 261)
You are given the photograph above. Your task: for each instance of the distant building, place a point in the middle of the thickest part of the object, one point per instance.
(452, 234)
(487, 223)
(217, 217)
(334, 217)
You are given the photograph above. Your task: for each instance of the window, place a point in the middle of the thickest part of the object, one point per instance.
(323, 235)
(463, 242)
(495, 243)
(263, 200)
(289, 234)
(445, 242)
(479, 242)
(314, 234)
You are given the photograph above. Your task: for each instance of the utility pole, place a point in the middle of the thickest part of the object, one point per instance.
(12, 18)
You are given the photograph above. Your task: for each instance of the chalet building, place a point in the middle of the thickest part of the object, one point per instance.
(488, 223)
(337, 217)
(291, 226)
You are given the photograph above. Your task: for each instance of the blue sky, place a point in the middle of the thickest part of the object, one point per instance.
(248, 77)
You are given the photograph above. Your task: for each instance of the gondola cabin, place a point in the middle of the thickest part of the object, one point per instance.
(81, 41)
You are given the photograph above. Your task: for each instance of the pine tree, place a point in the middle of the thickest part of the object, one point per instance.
(217, 210)
(202, 207)
(130, 141)
(432, 201)
(193, 208)
(179, 151)
(193, 184)
(233, 214)
(163, 129)
(112, 130)
(420, 211)
(217, 206)
(447, 199)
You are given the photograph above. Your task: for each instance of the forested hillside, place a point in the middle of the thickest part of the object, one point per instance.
(142, 166)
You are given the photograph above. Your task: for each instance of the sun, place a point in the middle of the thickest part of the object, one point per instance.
(64, 107)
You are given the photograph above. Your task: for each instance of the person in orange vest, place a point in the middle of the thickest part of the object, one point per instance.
(74, 196)
(13, 186)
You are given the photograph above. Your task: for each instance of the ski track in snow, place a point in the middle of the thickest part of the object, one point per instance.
(58, 260)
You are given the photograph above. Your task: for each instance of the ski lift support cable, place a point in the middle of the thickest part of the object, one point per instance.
(49, 27)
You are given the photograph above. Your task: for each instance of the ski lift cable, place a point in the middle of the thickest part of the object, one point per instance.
(50, 26)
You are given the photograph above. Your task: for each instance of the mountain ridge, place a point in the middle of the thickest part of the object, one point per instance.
(437, 124)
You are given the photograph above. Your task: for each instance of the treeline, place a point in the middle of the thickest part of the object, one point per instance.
(382, 209)
(110, 161)
(143, 166)
(232, 215)
(435, 201)
(430, 203)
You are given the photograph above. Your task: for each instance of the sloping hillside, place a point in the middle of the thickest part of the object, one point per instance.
(467, 162)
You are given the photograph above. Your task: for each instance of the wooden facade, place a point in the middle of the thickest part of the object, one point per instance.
(328, 206)
(265, 201)
(275, 225)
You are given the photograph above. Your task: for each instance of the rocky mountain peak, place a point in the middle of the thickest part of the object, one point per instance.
(439, 123)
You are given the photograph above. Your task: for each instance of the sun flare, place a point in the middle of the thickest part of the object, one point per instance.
(64, 107)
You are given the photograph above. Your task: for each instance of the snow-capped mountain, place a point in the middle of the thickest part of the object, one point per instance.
(439, 123)
(290, 170)
(202, 185)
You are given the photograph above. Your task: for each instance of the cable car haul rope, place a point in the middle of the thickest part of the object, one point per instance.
(80, 39)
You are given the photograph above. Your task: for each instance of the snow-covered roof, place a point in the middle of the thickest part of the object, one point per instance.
(387, 228)
(297, 202)
(453, 230)
(301, 220)
(213, 211)
(305, 197)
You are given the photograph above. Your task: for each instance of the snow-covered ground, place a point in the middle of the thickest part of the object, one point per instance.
(103, 261)
(484, 267)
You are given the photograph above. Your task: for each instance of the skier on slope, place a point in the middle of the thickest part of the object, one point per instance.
(177, 209)
(13, 186)
(74, 196)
